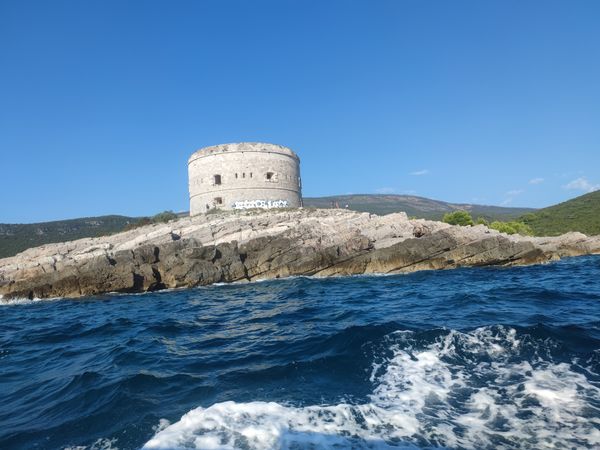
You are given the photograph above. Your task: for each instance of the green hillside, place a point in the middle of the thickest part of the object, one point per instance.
(15, 238)
(413, 206)
(579, 214)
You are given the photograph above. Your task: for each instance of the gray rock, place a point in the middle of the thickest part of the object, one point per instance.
(246, 246)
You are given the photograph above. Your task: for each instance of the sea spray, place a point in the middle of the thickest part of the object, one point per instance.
(467, 390)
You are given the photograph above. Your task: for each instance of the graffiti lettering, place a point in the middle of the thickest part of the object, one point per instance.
(264, 204)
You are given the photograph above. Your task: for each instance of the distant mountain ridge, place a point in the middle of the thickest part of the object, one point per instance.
(412, 205)
(15, 238)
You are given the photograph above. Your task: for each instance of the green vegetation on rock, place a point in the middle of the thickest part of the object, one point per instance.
(511, 228)
(579, 214)
(462, 218)
(482, 221)
(162, 217)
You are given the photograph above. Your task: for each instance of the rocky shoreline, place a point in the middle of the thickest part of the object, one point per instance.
(251, 245)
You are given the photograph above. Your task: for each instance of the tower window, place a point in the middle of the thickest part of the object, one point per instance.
(270, 176)
(236, 176)
(244, 175)
(217, 179)
(218, 200)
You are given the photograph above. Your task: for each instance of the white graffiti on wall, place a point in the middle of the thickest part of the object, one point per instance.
(265, 204)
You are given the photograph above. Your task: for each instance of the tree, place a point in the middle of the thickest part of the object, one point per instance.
(462, 218)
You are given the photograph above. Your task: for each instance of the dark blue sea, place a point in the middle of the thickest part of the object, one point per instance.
(482, 358)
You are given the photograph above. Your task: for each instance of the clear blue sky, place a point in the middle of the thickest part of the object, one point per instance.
(102, 102)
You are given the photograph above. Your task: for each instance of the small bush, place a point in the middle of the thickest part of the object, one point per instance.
(528, 217)
(164, 217)
(462, 218)
(512, 228)
(138, 223)
(482, 221)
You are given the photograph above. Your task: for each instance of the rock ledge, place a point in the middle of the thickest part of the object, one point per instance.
(246, 246)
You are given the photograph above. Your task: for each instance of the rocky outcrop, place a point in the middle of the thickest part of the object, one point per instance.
(246, 246)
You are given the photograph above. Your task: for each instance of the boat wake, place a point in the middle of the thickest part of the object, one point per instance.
(491, 388)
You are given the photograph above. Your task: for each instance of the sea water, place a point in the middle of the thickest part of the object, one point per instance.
(481, 358)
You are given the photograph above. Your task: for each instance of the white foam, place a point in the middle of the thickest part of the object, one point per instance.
(464, 390)
(100, 444)
(25, 301)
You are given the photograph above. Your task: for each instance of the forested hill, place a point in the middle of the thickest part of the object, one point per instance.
(15, 238)
(578, 214)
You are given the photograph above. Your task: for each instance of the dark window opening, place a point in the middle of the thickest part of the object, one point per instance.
(244, 175)
(270, 175)
(218, 200)
(250, 174)
(217, 179)
(236, 175)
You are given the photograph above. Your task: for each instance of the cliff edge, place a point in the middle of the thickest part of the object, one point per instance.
(250, 245)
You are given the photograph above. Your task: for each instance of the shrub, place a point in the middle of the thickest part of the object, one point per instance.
(462, 218)
(164, 217)
(522, 229)
(528, 217)
(512, 228)
(138, 223)
(482, 221)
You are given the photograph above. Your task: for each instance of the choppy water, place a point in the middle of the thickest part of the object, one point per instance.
(477, 358)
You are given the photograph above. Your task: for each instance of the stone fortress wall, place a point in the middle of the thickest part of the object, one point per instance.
(244, 176)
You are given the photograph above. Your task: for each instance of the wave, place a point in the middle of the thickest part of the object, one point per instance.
(493, 387)
(99, 444)
(26, 301)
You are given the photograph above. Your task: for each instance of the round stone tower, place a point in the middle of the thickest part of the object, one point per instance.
(244, 176)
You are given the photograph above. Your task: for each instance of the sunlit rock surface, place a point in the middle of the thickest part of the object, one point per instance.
(252, 245)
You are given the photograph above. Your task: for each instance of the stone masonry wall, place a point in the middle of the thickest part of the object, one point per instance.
(244, 176)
